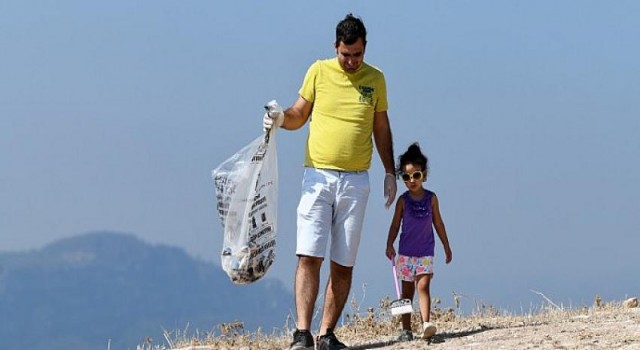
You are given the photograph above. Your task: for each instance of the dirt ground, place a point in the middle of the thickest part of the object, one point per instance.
(607, 329)
(611, 327)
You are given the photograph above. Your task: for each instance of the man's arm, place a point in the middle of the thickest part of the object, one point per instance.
(296, 115)
(383, 140)
(384, 145)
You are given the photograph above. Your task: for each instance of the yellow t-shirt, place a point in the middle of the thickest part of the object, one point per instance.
(341, 122)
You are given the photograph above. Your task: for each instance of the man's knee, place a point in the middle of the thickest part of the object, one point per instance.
(310, 263)
(340, 271)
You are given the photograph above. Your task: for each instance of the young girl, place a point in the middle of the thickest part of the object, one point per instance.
(417, 213)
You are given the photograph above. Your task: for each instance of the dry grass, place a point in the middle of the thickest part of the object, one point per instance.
(613, 325)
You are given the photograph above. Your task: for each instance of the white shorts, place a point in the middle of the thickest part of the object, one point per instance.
(332, 204)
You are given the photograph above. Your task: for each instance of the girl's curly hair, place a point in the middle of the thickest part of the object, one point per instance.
(413, 155)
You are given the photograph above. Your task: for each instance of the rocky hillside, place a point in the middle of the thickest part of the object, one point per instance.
(107, 288)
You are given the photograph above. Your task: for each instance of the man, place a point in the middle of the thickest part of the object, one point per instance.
(346, 100)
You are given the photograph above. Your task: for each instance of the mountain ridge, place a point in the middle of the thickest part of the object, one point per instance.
(84, 291)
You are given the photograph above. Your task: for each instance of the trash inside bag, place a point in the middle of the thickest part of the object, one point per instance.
(247, 197)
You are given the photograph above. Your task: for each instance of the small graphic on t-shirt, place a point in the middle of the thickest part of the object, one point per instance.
(366, 94)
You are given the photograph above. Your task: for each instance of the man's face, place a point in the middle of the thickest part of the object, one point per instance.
(351, 56)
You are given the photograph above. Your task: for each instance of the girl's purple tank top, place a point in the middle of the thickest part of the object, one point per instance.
(416, 237)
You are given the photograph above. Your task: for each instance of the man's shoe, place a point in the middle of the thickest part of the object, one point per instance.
(405, 335)
(330, 342)
(302, 340)
(428, 330)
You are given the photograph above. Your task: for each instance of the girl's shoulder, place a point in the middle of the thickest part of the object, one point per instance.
(433, 198)
(430, 195)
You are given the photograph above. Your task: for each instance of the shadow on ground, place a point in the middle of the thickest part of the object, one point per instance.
(438, 338)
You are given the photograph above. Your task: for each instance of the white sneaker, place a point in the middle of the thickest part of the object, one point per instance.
(428, 330)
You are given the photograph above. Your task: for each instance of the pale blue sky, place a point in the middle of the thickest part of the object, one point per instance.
(113, 114)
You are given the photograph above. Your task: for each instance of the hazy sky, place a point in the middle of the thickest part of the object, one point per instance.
(113, 114)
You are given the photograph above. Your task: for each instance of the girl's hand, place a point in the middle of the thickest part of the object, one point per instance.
(391, 252)
(448, 254)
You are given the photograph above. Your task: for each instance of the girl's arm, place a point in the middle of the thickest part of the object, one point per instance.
(439, 225)
(395, 227)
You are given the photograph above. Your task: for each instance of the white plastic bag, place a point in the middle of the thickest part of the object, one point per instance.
(247, 203)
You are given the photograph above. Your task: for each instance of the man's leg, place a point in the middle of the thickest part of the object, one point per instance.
(306, 284)
(348, 218)
(336, 295)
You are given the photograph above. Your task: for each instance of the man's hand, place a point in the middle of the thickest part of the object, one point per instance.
(390, 188)
(274, 117)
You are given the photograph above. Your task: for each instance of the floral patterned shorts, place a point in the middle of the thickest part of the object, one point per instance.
(408, 267)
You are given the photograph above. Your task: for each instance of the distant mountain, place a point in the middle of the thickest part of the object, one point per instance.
(82, 292)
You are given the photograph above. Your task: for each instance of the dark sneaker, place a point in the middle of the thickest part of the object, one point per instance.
(329, 341)
(302, 340)
(405, 335)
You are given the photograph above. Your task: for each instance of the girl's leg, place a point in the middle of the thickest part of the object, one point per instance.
(423, 282)
(408, 289)
(424, 295)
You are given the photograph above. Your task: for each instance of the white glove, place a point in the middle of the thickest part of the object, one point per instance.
(274, 116)
(390, 188)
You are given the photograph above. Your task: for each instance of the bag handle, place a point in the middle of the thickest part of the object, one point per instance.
(395, 277)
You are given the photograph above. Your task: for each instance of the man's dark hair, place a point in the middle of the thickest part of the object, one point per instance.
(349, 30)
